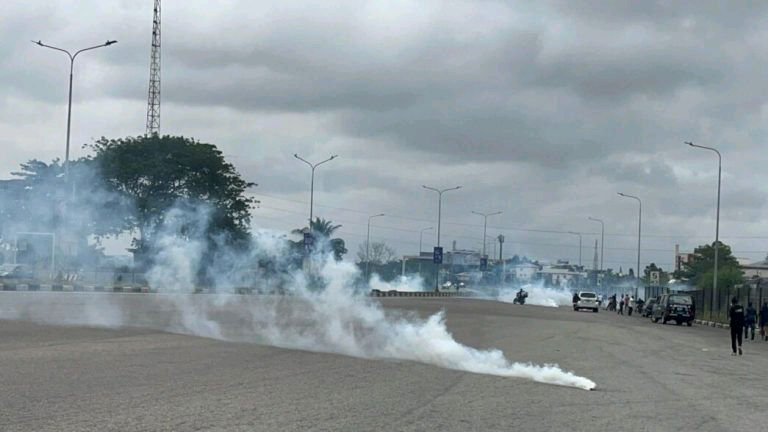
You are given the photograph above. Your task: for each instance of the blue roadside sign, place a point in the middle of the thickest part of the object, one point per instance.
(437, 255)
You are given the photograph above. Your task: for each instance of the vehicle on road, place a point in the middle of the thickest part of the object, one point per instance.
(586, 300)
(648, 308)
(15, 271)
(520, 297)
(675, 306)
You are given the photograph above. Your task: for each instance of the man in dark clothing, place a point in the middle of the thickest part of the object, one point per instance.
(749, 320)
(764, 320)
(621, 306)
(736, 315)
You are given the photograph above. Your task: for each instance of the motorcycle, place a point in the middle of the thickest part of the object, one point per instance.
(520, 298)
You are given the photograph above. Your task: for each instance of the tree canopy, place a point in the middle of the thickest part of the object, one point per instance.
(158, 173)
(700, 270)
(377, 253)
(322, 230)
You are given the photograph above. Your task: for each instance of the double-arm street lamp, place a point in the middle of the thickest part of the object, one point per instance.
(312, 183)
(439, 215)
(485, 224)
(368, 245)
(69, 106)
(717, 221)
(578, 234)
(439, 205)
(639, 226)
(602, 239)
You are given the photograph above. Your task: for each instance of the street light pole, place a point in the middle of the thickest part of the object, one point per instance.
(639, 226)
(485, 224)
(439, 215)
(368, 246)
(439, 205)
(602, 239)
(312, 184)
(717, 221)
(578, 234)
(69, 105)
(421, 233)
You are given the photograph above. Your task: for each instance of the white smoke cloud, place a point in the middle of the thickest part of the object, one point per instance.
(410, 283)
(323, 307)
(538, 295)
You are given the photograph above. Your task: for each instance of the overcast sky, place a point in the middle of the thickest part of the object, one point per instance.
(543, 110)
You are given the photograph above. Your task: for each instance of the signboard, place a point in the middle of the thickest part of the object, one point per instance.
(437, 255)
(483, 263)
(654, 278)
(309, 240)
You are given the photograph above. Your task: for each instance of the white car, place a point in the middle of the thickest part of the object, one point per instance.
(587, 300)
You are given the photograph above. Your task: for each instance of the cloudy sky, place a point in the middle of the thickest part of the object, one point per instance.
(543, 110)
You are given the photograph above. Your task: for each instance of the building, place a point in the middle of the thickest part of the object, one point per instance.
(523, 272)
(756, 269)
(682, 258)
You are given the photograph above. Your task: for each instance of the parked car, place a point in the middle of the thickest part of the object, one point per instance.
(587, 300)
(675, 306)
(648, 308)
(15, 271)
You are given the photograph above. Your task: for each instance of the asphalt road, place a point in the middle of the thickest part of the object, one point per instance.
(650, 377)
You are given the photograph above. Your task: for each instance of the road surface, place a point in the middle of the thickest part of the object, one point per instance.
(650, 377)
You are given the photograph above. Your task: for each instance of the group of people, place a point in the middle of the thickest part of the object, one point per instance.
(625, 302)
(742, 322)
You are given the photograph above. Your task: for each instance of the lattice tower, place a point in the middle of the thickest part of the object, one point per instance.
(153, 101)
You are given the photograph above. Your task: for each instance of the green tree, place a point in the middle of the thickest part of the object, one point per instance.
(322, 230)
(158, 173)
(700, 269)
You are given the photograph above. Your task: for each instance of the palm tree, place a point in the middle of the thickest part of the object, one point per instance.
(323, 229)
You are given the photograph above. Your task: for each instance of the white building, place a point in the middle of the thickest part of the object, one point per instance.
(524, 272)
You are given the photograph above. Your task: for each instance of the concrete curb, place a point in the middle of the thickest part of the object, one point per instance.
(395, 293)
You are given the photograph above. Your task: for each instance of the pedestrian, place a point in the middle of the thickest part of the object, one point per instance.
(736, 316)
(749, 321)
(764, 321)
(631, 305)
(621, 306)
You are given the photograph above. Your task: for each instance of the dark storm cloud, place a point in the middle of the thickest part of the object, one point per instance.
(726, 15)
(655, 71)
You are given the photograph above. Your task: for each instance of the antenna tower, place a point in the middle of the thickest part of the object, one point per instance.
(153, 102)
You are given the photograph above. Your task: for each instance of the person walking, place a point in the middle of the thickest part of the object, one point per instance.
(631, 305)
(749, 321)
(764, 321)
(736, 316)
(621, 306)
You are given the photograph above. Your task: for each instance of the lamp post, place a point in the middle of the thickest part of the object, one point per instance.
(639, 226)
(485, 224)
(368, 246)
(717, 222)
(602, 239)
(439, 214)
(578, 234)
(312, 183)
(421, 233)
(69, 105)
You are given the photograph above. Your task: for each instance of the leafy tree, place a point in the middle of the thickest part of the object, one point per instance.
(158, 173)
(322, 230)
(155, 174)
(378, 253)
(700, 269)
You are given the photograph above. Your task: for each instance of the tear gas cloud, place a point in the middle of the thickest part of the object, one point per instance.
(321, 306)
